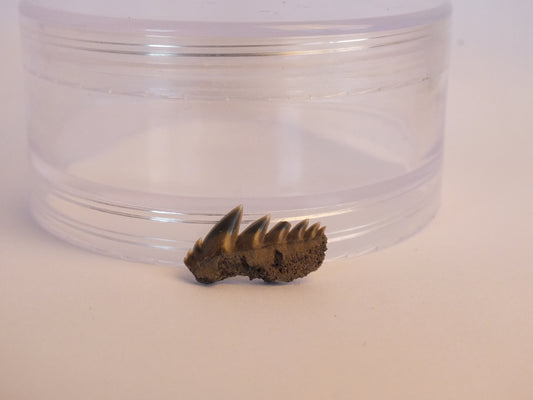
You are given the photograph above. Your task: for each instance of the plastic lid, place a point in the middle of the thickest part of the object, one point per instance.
(230, 17)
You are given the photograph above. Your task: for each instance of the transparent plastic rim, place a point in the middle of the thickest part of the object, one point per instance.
(70, 20)
(402, 213)
(147, 202)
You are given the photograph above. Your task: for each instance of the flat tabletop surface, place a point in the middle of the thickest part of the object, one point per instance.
(447, 314)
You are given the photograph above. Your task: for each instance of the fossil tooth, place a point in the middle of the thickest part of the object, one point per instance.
(297, 233)
(280, 255)
(312, 231)
(222, 237)
(278, 233)
(253, 236)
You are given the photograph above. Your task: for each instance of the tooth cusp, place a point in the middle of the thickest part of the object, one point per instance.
(312, 231)
(222, 237)
(198, 245)
(297, 233)
(254, 235)
(278, 234)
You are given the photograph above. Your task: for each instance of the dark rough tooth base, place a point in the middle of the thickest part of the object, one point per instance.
(281, 262)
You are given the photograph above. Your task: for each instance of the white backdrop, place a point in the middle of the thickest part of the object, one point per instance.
(444, 315)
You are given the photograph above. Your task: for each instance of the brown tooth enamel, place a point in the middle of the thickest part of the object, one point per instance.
(222, 237)
(312, 231)
(253, 236)
(297, 233)
(321, 231)
(278, 233)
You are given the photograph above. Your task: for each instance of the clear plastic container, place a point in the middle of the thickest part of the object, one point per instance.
(147, 124)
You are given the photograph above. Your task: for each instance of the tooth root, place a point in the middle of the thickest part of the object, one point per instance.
(222, 237)
(312, 231)
(278, 233)
(253, 236)
(297, 233)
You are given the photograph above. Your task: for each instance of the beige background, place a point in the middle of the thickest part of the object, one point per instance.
(445, 315)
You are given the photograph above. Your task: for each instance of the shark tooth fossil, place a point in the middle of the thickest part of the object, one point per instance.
(279, 255)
